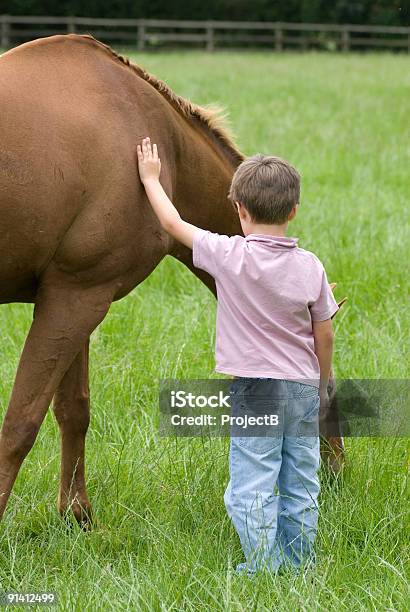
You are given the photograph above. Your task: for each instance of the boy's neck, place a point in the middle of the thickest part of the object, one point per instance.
(270, 230)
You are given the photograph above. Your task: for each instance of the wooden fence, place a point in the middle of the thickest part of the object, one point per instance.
(148, 34)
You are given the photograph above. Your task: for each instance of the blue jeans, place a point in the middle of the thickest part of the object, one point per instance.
(274, 485)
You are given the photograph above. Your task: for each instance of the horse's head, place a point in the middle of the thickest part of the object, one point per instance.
(340, 304)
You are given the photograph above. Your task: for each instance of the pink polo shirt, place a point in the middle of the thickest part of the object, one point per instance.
(269, 291)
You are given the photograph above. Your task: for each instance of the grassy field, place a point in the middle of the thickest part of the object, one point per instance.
(162, 539)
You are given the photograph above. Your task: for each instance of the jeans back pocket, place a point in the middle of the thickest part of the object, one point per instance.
(257, 422)
(307, 411)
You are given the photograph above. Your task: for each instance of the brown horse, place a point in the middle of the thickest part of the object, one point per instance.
(76, 229)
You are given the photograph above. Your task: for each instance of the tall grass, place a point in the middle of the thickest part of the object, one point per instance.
(162, 540)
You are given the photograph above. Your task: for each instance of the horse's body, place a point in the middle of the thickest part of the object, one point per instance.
(76, 229)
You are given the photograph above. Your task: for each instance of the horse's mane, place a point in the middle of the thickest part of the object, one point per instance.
(212, 118)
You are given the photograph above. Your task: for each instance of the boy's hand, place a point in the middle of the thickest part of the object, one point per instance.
(324, 405)
(149, 164)
(149, 167)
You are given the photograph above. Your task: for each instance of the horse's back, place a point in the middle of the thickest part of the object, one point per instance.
(69, 192)
(34, 182)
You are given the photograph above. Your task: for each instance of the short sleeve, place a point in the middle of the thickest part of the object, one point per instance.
(209, 251)
(325, 306)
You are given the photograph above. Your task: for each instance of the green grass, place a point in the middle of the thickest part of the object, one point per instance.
(162, 539)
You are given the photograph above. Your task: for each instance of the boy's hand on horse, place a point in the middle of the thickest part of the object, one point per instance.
(149, 164)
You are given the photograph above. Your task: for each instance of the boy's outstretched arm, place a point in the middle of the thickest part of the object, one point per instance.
(149, 166)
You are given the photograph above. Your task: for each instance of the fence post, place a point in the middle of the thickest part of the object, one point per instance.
(141, 37)
(5, 32)
(71, 25)
(278, 38)
(345, 40)
(210, 41)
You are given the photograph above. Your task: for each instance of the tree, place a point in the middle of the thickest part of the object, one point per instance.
(386, 12)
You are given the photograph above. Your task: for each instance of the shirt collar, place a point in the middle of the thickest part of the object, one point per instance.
(279, 242)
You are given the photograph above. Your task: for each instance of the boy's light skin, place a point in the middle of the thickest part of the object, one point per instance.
(149, 166)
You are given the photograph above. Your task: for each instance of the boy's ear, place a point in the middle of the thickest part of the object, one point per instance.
(241, 209)
(293, 212)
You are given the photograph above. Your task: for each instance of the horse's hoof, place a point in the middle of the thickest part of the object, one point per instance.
(82, 513)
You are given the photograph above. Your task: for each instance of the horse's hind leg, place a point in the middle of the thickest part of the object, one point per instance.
(72, 411)
(332, 450)
(64, 318)
(332, 445)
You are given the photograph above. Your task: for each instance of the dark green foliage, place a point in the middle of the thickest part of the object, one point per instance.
(386, 12)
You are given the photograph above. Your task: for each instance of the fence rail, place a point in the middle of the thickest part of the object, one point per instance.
(149, 34)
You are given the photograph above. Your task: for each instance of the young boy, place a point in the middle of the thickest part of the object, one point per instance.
(274, 335)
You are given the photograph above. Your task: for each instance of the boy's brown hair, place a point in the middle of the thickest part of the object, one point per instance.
(268, 187)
